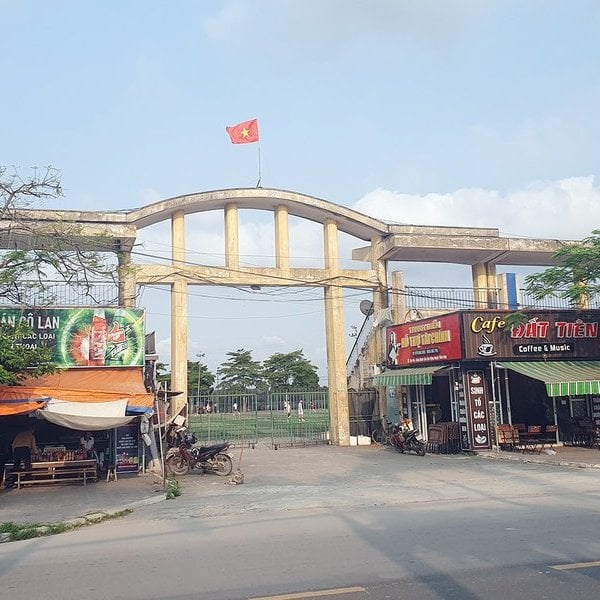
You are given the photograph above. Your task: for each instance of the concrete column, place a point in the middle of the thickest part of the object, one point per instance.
(480, 282)
(179, 331)
(282, 238)
(232, 240)
(491, 285)
(127, 287)
(398, 297)
(339, 421)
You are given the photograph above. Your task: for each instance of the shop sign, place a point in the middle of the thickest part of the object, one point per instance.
(127, 449)
(426, 341)
(477, 407)
(543, 334)
(83, 337)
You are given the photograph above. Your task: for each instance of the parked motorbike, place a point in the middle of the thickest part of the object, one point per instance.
(208, 459)
(407, 440)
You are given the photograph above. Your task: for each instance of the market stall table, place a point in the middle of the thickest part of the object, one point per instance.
(56, 471)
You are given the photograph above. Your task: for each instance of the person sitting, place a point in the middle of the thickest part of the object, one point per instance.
(87, 445)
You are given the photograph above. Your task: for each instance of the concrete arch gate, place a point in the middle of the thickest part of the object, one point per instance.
(481, 248)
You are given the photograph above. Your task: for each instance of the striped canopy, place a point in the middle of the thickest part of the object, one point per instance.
(408, 376)
(562, 378)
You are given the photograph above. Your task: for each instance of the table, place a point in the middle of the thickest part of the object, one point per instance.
(57, 471)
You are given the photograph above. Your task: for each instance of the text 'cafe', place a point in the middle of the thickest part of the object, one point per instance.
(473, 368)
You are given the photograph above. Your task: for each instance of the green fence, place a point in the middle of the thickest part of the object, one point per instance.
(275, 418)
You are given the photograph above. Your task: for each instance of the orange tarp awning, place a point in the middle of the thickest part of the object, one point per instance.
(101, 384)
(10, 409)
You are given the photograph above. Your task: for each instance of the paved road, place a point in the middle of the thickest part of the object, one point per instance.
(455, 528)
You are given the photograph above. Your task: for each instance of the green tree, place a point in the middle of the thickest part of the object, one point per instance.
(16, 363)
(240, 373)
(576, 277)
(35, 254)
(291, 371)
(199, 377)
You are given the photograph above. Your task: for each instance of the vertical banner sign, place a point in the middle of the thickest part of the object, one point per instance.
(462, 416)
(127, 449)
(478, 411)
(596, 410)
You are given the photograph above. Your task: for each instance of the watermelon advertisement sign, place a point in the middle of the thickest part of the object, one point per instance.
(83, 337)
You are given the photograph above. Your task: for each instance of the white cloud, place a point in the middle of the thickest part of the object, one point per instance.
(562, 209)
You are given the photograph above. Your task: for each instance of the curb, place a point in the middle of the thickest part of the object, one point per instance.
(45, 529)
(539, 461)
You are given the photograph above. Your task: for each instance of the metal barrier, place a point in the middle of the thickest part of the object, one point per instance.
(276, 418)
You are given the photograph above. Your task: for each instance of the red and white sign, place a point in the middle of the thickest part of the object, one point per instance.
(427, 341)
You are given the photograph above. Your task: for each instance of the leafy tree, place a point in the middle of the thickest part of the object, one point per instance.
(199, 377)
(16, 363)
(240, 372)
(577, 276)
(35, 252)
(163, 375)
(291, 371)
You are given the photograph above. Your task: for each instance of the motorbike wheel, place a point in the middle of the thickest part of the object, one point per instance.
(222, 465)
(420, 448)
(177, 465)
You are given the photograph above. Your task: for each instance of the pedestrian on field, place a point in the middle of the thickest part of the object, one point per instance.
(300, 411)
(235, 409)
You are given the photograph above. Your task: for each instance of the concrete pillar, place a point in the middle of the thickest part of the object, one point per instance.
(232, 240)
(127, 287)
(179, 330)
(339, 420)
(491, 285)
(398, 297)
(480, 282)
(282, 238)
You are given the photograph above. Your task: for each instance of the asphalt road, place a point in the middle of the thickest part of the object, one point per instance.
(456, 529)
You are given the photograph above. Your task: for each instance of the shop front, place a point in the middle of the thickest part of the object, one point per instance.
(539, 369)
(88, 413)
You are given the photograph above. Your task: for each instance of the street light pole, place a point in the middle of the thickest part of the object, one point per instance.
(200, 355)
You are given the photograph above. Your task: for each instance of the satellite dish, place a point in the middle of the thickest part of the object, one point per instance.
(366, 308)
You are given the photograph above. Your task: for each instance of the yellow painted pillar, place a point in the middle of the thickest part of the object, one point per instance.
(339, 420)
(127, 286)
(232, 241)
(282, 238)
(179, 330)
(480, 282)
(491, 285)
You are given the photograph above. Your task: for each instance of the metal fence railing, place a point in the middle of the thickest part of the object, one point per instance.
(58, 293)
(275, 418)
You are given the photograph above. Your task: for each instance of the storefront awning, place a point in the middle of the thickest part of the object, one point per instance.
(408, 376)
(102, 384)
(10, 408)
(562, 378)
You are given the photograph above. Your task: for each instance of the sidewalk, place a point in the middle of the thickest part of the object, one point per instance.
(285, 475)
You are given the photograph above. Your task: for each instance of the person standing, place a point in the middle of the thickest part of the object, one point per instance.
(287, 407)
(23, 447)
(300, 411)
(87, 445)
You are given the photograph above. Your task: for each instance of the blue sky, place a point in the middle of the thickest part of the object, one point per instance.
(455, 112)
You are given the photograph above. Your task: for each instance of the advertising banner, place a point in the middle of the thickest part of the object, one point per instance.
(478, 411)
(127, 449)
(426, 341)
(542, 334)
(83, 337)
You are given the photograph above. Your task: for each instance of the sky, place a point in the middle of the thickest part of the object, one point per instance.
(453, 112)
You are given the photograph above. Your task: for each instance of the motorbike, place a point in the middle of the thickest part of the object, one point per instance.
(405, 441)
(208, 459)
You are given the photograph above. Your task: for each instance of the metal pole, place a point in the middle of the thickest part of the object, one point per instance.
(507, 393)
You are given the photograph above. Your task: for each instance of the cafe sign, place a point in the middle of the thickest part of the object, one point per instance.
(424, 341)
(82, 337)
(477, 409)
(560, 335)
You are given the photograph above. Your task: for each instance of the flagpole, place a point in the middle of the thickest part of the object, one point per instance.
(259, 171)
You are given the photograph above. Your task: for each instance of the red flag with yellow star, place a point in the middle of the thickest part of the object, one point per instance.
(243, 133)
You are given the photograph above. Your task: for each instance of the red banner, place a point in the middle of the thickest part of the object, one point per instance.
(427, 341)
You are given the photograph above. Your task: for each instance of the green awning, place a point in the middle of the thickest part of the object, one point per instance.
(408, 376)
(562, 378)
